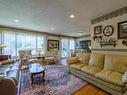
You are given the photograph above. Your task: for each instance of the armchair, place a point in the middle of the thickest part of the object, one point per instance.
(26, 57)
(54, 54)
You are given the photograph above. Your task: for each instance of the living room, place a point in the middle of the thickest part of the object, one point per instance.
(63, 47)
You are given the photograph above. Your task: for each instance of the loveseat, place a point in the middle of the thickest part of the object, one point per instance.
(106, 71)
(9, 77)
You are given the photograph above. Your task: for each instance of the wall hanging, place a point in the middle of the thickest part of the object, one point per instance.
(122, 30)
(108, 30)
(108, 42)
(97, 30)
(53, 44)
(124, 42)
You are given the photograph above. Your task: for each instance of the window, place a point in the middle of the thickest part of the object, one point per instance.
(72, 44)
(9, 41)
(40, 43)
(67, 46)
(16, 41)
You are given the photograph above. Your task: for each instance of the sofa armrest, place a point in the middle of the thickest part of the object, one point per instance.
(7, 86)
(73, 60)
(124, 77)
(7, 62)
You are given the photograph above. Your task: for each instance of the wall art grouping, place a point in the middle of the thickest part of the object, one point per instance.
(107, 31)
(103, 36)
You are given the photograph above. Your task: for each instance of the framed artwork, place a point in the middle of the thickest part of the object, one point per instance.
(52, 44)
(98, 29)
(108, 30)
(122, 30)
(124, 42)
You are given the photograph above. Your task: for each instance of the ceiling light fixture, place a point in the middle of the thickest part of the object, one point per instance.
(52, 28)
(72, 16)
(16, 20)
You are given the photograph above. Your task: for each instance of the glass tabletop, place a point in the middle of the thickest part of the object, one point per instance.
(35, 68)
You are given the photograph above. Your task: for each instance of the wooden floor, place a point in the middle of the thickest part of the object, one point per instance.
(90, 90)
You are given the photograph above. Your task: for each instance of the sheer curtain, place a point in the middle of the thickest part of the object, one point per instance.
(16, 41)
(10, 42)
(41, 43)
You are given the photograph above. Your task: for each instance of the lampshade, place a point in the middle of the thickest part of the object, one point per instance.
(2, 46)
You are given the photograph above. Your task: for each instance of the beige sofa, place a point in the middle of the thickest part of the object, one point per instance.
(10, 75)
(108, 72)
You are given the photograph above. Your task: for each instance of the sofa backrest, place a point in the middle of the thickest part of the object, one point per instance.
(97, 60)
(73, 60)
(116, 63)
(84, 57)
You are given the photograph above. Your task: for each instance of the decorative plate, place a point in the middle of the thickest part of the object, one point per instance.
(108, 30)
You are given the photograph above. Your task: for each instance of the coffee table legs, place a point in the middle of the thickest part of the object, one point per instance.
(43, 76)
(32, 77)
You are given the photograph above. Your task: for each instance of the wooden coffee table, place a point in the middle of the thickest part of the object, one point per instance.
(35, 69)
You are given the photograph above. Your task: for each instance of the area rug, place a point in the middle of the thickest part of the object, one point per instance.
(57, 82)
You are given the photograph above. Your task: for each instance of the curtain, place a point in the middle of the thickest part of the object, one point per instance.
(10, 42)
(16, 41)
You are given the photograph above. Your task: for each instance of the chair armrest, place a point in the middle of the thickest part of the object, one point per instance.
(124, 77)
(73, 60)
(7, 86)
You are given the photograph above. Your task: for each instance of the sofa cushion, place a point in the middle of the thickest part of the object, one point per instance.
(84, 57)
(3, 69)
(112, 77)
(73, 60)
(97, 60)
(91, 69)
(78, 65)
(124, 77)
(116, 63)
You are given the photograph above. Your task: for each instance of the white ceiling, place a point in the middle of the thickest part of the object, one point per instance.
(41, 15)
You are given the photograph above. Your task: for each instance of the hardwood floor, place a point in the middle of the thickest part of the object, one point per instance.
(90, 90)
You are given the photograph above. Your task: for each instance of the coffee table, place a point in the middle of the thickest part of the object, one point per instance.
(34, 69)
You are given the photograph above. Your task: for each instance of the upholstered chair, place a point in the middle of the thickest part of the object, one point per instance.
(26, 57)
(54, 53)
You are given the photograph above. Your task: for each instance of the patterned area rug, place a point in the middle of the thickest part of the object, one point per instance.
(57, 82)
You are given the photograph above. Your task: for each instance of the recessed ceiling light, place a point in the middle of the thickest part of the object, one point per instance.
(16, 20)
(72, 16)
(52, 28)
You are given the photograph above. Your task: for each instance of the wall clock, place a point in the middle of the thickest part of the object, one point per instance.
(108, 30)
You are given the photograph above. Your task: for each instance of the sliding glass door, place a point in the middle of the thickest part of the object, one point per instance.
(64, 51)
(67, 46)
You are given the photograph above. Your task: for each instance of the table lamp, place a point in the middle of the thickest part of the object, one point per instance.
(1, 47)
(39, 52)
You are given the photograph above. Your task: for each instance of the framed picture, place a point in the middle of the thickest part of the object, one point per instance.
(52, 44)
(122, 30)
(108, 30)
(98, 29)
